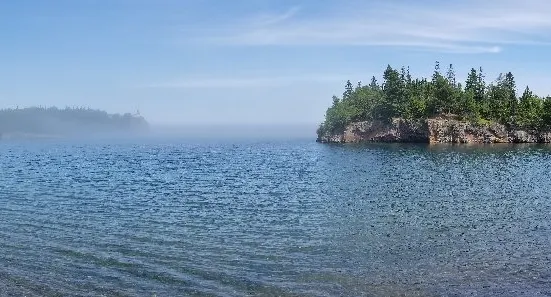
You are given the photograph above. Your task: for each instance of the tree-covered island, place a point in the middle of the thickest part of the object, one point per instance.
(56, 122)
(473, 103)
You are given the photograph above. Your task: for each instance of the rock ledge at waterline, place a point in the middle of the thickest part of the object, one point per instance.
(433, 131)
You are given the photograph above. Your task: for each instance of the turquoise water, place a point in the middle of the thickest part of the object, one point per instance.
(296, 218)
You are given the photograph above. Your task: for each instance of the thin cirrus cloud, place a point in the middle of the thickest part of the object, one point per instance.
(472, 26)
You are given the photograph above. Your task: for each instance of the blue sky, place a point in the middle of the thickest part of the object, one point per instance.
(255, 61)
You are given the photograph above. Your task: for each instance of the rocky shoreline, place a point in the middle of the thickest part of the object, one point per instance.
(433, 131)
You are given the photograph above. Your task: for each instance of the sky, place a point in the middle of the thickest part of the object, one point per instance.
(257, 62)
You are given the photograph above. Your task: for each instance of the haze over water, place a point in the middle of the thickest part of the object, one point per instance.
(236, 217)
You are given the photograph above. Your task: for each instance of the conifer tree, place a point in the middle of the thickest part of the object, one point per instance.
(374, 85)
(402, 96)
(348, 89)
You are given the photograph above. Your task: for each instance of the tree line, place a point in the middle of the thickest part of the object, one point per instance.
(53, 120)
(400, 95)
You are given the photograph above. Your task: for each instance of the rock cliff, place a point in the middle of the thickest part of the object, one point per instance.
(433, 131)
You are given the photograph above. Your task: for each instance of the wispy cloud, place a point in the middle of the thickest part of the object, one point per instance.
(471, 26)
(272, 19)
(246, 82)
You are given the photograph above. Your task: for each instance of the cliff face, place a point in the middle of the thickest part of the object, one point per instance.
(433, 131)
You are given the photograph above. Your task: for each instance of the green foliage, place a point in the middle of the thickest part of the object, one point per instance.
(402, 96)
(530, 110)
(546, 113)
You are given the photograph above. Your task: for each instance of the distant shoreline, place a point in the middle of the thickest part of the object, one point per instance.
(55, 123)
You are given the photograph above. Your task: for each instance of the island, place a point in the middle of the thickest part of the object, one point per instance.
(437, 110)
(53, 122)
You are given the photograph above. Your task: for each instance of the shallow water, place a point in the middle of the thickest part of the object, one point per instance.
(295, 218)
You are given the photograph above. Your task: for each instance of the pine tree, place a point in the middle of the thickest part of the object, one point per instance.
(374, 85)
(336, 101)
(443, 93)
(436, 74)
(471, 84)
(348, 90)
(450, 75)
(401, 96)
(530, 110)
(393, 93)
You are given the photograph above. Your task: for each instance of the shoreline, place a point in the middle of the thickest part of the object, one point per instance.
(433, 131)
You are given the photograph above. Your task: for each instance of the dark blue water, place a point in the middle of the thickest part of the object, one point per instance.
(174, 218)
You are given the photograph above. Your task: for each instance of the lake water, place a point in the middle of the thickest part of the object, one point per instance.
(280, 218)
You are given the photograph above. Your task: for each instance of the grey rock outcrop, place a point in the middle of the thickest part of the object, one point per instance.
(433, 131)
(398, 130)
(454, 131)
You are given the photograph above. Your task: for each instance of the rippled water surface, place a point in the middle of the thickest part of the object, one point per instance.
(176, 218)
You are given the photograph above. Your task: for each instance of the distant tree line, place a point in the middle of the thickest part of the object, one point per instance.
(52, 120)
(400, 95)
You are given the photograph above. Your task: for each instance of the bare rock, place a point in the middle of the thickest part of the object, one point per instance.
(439, 130)
(520, 136)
